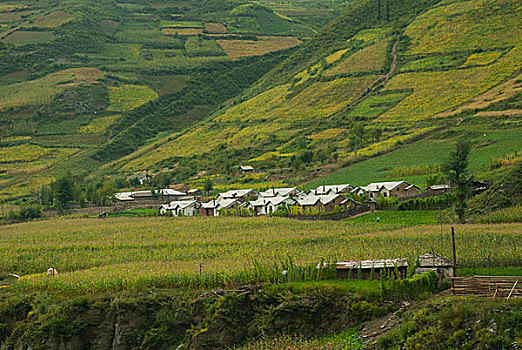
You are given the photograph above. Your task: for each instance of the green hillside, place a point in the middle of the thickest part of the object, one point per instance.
(81, 85)
(313, 92)
(381, 93)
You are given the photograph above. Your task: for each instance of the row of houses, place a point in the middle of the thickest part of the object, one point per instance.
(323, 198)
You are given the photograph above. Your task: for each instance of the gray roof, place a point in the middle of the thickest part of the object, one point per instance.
(312, 199)
(334, 188)
(377, 186)
(261, 202)
(183, 204)
(281, 192)
(237, 193)
(434, 260)
(368, 264)
(225, 203)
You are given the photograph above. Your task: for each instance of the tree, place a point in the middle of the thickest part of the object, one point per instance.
(64, 190)
(106, 193)
(208, 185)
(359, 133)
(456, 170)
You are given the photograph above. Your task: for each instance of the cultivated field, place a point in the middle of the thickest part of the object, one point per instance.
(116, 253)
(264, 44)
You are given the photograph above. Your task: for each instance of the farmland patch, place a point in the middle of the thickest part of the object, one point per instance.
(22, 37)
(127, 97)
(242, 48)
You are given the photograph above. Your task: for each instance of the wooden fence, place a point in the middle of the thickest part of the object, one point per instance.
(488, 286)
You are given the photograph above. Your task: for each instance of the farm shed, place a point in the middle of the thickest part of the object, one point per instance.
(436, 190)
(435, 262)
(367, 269)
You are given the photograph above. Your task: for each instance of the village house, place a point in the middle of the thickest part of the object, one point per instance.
(264, 206)
(181, 208)
(437, 190)
(281, 192)
(247, 169)
(402, 190)
(333, 189)
(208, 208)
(372, 269)
(243, 195)
(328, 202)
(232, 203)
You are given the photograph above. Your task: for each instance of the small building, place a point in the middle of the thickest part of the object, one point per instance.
(333, 189)
(435, 262)
(402, 190)
(247, 169)
(194, 192)
(208, 208)
(264, 206)
(181, 208)
(232, 203)
(328, 202)
(372, 269)
(437, 190)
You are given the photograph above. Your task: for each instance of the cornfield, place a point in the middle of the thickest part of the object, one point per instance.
(119, 253)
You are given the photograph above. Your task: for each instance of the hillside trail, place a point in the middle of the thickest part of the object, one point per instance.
(394, 61)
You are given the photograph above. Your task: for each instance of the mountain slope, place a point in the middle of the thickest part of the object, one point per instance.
(371, 82)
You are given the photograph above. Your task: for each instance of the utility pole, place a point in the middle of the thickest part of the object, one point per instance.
(454, 252)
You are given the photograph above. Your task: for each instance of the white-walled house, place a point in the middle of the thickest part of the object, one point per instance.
(181, 208)
(267, 205)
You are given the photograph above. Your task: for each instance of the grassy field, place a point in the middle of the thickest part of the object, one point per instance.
(52, 20)
(126, 97)
(115, 253)
(265, 44)
(27, 37)
(489, 144)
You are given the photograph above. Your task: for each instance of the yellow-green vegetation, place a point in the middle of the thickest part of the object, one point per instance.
(117, 253)
(16, 138)
(40, 91)
(482, 58)
(52, 20)
(370, 59)
(374, 105)
(464, 25)
(264, 44)
(371, 35)
(23, 37)
(435, 92)
(181, 24)
(384, 146)
(10, 7)
(98, 125)
(127, 97)
(182, 31)
(23, 153)
(217, 28)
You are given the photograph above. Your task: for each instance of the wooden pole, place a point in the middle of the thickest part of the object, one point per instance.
(454, 252)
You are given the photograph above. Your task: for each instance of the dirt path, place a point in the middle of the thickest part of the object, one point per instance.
(394, 61)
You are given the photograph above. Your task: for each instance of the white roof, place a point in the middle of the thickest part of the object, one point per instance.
(261, 202)
(182, 204)
(312, 199)
(377, 186)
(279, 192)
(334, 188)
(171, 192)
(225, 203)
(210, 205)
(237, 193)
(246, 167)
(439, 187)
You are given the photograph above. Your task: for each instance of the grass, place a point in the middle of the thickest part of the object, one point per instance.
(28, 37)
(40, 91)
(409, 217)
(481, 24)
(375, 105)
(435, 63)
(435, 92)
(369, 59)
(52, 20)
(93, 254)
(127, 97)
(265, 44)
(98, 125)
(347, 340)
(181, 24)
